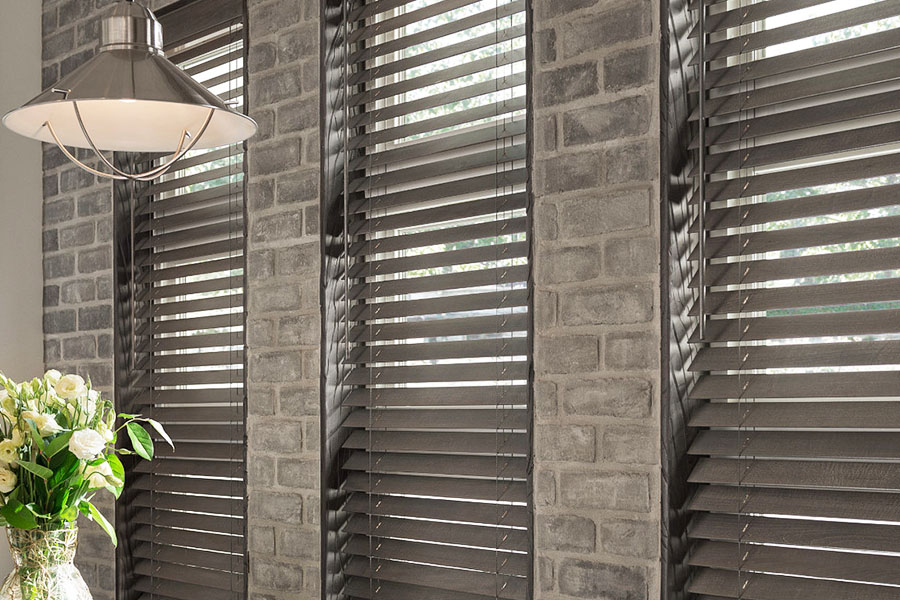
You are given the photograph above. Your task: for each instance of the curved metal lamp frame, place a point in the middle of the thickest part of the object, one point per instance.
(117, 174)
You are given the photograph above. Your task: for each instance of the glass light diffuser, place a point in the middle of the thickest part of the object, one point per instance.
(130, 98)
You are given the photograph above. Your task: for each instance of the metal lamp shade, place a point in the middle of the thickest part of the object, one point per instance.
(132, 101)
(130, 98)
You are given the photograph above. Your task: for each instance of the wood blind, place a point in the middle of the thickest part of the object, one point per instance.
(798, 448)
(182, 527)
(434, 466)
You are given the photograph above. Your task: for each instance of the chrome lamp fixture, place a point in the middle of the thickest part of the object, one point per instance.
(130, 98)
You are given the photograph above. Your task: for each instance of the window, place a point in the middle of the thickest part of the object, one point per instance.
(427, 357)
(180, 354)
(798, 389)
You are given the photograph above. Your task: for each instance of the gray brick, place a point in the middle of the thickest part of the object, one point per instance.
(52, 352)
(60, 265)
(262, 539)
(629, 68)
(49, 75)
(104, 287)
(50, 185)
(630, 163)
(627, 117)
(299, 43)
(260, 470)
(607, 305)
(302, 186)
(260, 332)
(274, 575)
(596, 213)
(61, 321)
(629, 444)
(77, 235)
(87, 32)
(298, 473)
(297, 259)
(602, 581)
(631, 256)
(573, 263)
(567, 83)
(301, 330)
(568, 354)
(78, 291)
(545, 44)
(273, 16)
(545, 308)
(311, 219)
(545, 573)
(632, 350)
(606, 490)
(275, 367)
(547, 222)
(59, 211)
(568, 443)
(261, 194)
(274, 87)
(57, 44)
(260, 265)
(626, 537)
(100, 374)
(298, 401)
(545, 488)
(53, 157)
(297, 115)
(51, 296)
(83, 347)
(545, 398)
(265, 122)
(49, 21)
(74, 179)
(275, 297)
(50, 240)
(614, 397)
(69, 12)
(548, 9)
(91, 261)
(283, 226)
(599, 30)
(105, 346)
(274, 157)
(261, 57)
(95, 203)
(570, 172)
(95, 317)
(566, 533)
(276, 437)
(299, 543)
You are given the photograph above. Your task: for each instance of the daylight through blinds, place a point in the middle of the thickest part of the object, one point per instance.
(433, 470)
(797, 448)
(185, 510)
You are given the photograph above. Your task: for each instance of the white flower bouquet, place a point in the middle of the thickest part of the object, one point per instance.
(58, 449)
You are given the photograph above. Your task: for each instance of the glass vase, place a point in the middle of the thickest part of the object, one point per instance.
(44, 566)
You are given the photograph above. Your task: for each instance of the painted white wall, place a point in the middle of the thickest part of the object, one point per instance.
(21, 276)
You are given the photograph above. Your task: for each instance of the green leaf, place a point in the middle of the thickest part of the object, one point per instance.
(18, 515)
(101, 520)
(69, 513)
(128, 416)
(42, 472)
(162, 432)
(118, 470)
(36, 435)
(59, 442)
(141, 441)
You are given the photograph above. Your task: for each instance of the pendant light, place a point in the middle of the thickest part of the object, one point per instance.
(130, 98)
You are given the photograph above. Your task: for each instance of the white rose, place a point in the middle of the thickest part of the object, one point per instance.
(45, 423)
(105, 432)
(70, 387)
(17, 437)
(86, 444)
(7, 481)
(101, 476)
(9, 452)
(52, 376)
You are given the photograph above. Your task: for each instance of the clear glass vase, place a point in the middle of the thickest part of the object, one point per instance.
(44, 566)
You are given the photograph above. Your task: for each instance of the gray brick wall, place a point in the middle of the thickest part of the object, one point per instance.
(597, 316)
(283, 257)
(596, 190)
